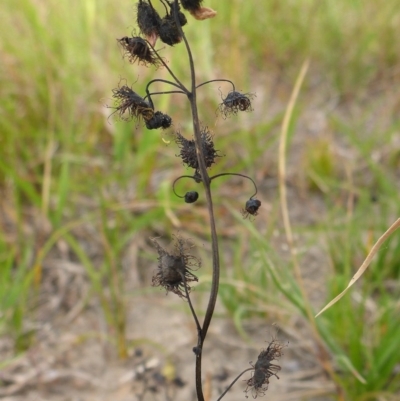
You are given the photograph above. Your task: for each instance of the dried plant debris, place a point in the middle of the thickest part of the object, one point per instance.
(175, 269)
(137, 50)
(130, 105)
(264, 369)
(235, 102)
(198, 12)
(188, 152)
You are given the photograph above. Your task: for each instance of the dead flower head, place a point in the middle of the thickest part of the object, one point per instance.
(235, 102)
(198, 12)
(148, 21)
(175, 269)
(136, 49)
(264, 369)
(169, 31)
(188, 152)
(130, 104)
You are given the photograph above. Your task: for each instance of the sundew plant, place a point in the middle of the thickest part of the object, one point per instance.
(176, 270)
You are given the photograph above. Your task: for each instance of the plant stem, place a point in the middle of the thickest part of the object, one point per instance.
(229, 387)
(206, 183)
(239, 175)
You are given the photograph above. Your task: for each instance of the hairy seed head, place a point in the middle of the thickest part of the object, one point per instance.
(188, 152)
(130, 105)
(136, 49)
(148, 21)
(235, 102)
(169, 32)
(264, 369)
(175, 269)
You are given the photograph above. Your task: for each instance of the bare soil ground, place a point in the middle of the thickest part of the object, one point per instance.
(74, 361)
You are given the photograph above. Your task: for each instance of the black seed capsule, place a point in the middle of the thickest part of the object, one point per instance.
(251, 208)
(159, 120)
(191, 196)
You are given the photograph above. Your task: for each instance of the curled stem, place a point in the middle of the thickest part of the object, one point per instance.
(179, 83)
(240, 175)
(149, 94)
(217, 80)
(182, 176)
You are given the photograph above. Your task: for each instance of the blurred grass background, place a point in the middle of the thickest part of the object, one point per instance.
(81, 188)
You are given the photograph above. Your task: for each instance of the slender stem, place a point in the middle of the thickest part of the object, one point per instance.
(173, 184)
(165, 81)
(180, 84)
(240, 175)
(182, 89)
(162, 93)
(230, 386)
(192, 310)
(166, 9)
(206, 183)
(217, 80)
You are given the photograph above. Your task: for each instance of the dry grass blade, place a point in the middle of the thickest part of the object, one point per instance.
(282, 150)
(365, 264)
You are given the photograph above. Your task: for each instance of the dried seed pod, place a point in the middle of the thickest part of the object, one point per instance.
(188, 152)
(136, 49)
(191, 196)
(174, 269)
(131, 104)
(251, 208)
(148, 21)
(235, 102)
(159, 120)
(169, 32)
